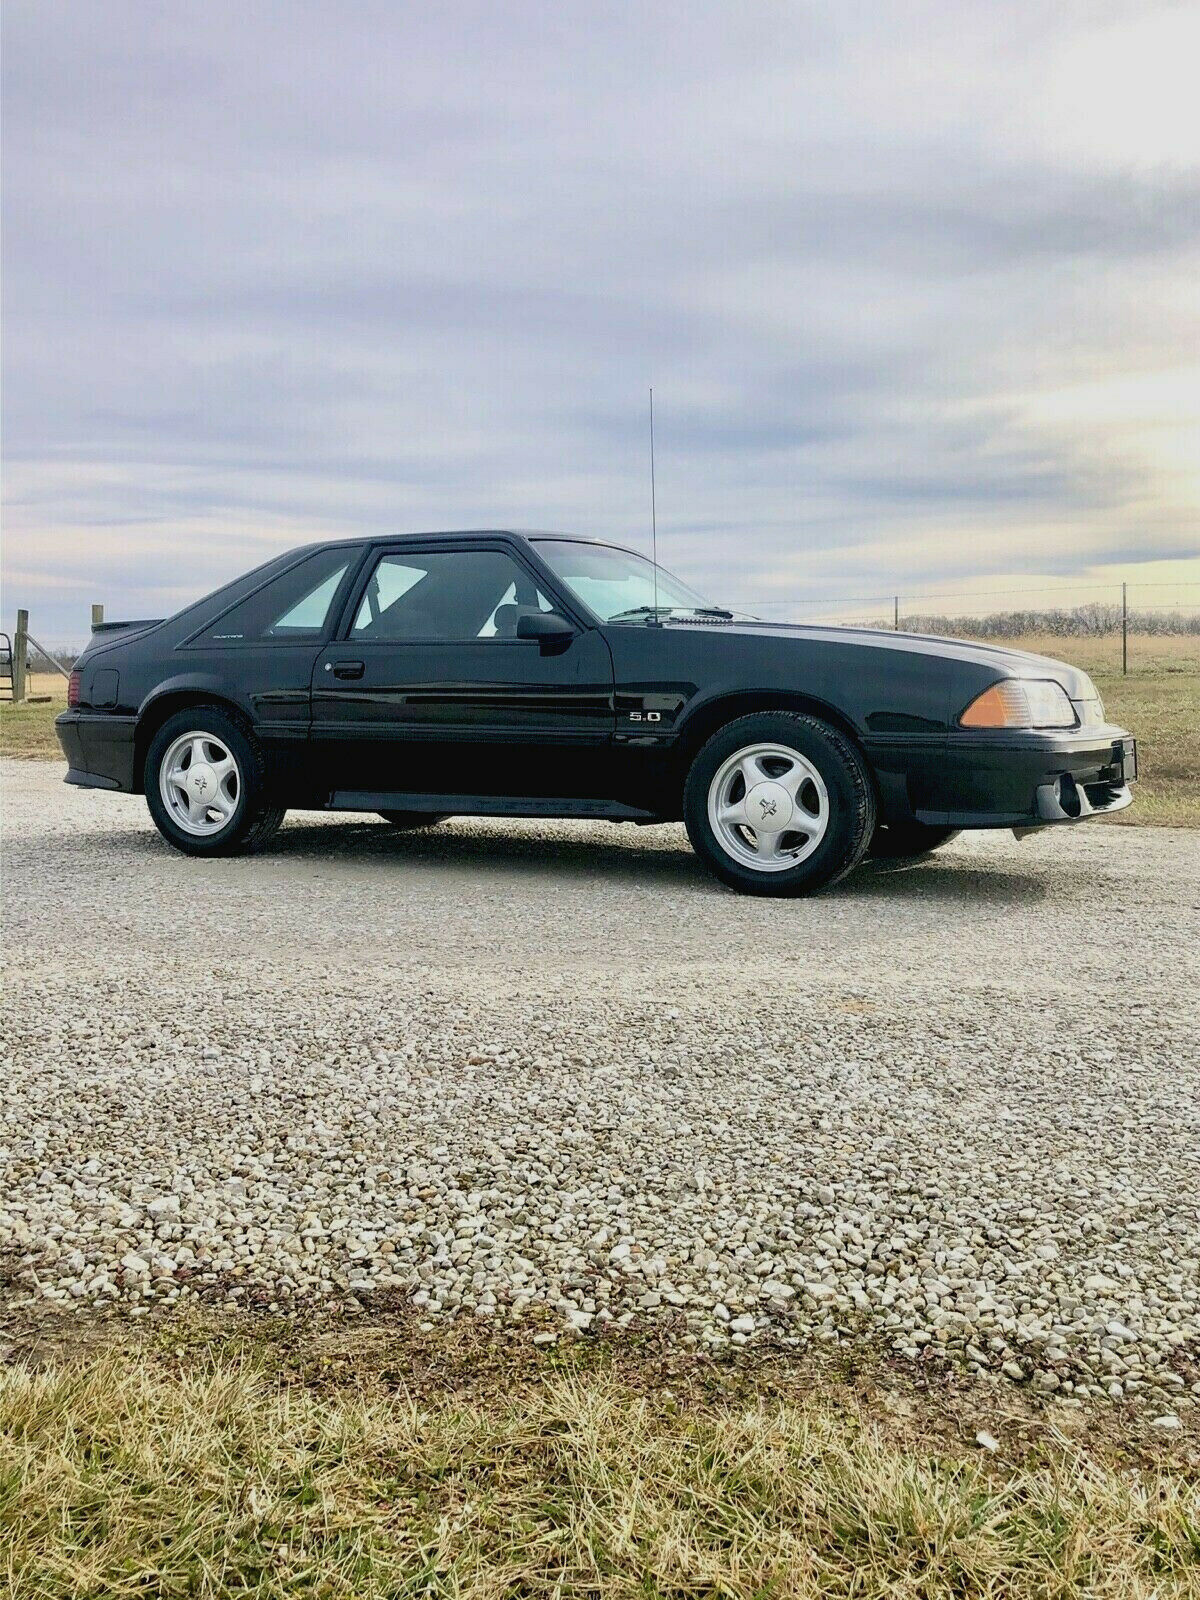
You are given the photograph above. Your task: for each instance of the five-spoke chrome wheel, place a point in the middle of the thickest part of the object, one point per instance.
(200, 783)
(768, 807)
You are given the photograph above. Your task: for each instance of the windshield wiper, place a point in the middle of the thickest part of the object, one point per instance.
(640, 611)
(666, 611)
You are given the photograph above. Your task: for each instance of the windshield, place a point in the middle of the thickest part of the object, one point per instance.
(618, 585)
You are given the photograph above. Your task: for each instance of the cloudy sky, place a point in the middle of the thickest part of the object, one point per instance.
(916, 286)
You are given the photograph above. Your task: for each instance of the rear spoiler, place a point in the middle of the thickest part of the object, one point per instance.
(123, 627)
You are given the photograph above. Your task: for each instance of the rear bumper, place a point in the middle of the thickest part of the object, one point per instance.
(1030, 780)
(99, 748)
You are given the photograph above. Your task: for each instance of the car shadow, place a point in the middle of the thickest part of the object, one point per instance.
(640, 855)
(637, 854)
(947, 879)
(634, 857)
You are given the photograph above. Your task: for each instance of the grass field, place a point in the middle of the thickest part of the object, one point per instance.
(28, 729)
(203, 1469)
(1159, 701)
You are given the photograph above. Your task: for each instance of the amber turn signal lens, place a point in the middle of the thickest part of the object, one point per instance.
(1021, 703)
(1004, 705)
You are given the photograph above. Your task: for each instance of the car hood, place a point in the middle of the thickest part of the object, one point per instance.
(1005, 662)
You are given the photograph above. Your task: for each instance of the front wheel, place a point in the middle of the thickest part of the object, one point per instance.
(779, 803)
(205, 785)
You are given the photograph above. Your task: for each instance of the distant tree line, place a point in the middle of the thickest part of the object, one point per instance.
(1090, 621)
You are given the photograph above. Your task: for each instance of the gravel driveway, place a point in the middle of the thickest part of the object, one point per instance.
(502, 1064)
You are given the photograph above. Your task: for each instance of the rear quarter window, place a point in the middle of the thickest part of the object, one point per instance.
(295, 607)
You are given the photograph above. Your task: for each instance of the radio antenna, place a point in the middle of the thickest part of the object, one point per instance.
(653, 509)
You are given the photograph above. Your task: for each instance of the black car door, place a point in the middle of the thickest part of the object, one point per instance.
(428, 690)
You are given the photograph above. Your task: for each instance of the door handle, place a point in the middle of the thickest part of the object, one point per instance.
(348, 669)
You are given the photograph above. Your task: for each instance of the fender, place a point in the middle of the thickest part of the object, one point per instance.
(193, 685)
(704, 714)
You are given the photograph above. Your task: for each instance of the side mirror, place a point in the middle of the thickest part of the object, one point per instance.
(547, 627)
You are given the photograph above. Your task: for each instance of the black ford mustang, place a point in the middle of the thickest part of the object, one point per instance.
(510, 674)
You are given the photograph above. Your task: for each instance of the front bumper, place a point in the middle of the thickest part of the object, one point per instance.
(99, 748)
(1026, 780)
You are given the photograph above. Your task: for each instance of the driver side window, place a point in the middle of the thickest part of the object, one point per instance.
(445, 595)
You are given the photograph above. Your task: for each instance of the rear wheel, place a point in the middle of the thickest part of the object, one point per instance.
(205, 786)
(412, 819)
(907, 841)
(779, 803)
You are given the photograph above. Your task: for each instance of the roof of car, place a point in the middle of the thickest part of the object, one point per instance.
(463, 533)
(477, 533)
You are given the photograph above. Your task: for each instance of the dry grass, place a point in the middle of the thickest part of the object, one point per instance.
(28, 730)
(119, 1478)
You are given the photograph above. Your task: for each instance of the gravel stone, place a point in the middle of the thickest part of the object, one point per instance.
(529, 1071)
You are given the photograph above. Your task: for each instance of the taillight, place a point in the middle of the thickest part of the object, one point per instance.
(73, 689)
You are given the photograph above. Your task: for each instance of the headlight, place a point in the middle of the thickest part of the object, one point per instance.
(1021, 703)
(1091, 707)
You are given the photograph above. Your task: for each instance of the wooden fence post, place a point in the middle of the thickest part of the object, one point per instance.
(20, 653)
(97, 616)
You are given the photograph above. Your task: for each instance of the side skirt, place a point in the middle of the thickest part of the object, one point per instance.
(485, 805)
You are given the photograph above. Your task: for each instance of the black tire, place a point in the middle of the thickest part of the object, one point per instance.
(412, 819)
(907, 841)
(851, 802)
(253, 821)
